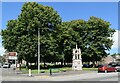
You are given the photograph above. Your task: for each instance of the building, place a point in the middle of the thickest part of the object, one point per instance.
(110, 59)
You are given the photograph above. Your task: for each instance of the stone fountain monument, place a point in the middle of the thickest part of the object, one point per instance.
(77, 60)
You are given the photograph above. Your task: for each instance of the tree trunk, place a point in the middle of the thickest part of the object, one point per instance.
(55, 63)
(21, 61)
(61, 63)
(93, 63)
(88, 63)
(30, 66)
(64, 63)
(44, 64)
(35, 64)
(27, 65)
(20, 66)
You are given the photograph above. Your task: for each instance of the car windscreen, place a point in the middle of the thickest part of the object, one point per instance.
(100, 65)
(118, 65)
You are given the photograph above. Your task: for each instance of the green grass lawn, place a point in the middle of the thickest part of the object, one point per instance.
(55, 70)
(90, 69)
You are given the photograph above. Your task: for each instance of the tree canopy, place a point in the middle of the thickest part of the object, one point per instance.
(92, 36)
(21, 35)
(57, 38)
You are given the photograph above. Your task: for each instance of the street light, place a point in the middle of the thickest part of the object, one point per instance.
(38, 51)
(50, 26)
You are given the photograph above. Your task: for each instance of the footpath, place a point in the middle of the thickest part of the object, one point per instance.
(60, 76)
(70, 72)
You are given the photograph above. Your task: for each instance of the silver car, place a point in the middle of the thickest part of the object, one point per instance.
(6, 65)
(117, 67)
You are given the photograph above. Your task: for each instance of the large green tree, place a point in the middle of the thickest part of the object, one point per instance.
(57, 38)
(92, 36)
(8, 36)
(99, 38)
(21, 35)
(66, 39)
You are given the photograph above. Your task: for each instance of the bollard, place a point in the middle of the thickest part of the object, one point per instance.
(30, 72)
(50, 72)
(13, 68)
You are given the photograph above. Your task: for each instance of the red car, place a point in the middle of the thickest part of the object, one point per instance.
(106, 68)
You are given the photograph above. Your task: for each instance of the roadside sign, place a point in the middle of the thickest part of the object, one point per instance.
(13, 57)
(12, 53)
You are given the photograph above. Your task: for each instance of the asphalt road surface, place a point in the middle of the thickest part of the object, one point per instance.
(0, 74)
(8, 74)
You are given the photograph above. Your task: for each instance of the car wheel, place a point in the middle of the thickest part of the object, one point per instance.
(105, 71)
(118, 70)
(115, 70)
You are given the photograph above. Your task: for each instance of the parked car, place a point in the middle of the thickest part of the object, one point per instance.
(116, 65)
(0, 65)
(113, 63)
(107, 68)
(86, 66)
(6, 65)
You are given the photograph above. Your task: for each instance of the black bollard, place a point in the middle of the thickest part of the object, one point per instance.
(50, 71)
(14, 68)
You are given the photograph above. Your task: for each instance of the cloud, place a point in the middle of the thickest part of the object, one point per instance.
(2, 50)
(116, 45)
(115, 39)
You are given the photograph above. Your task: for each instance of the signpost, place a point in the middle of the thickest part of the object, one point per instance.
(12, 56)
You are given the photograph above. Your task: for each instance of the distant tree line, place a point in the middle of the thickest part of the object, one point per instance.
(57, 38)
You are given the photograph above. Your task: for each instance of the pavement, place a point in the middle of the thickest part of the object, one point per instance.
(0, 75)
(58, 73)
(15, 75)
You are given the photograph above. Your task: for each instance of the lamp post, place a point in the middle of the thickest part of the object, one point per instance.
(38, 51)
(63, 54)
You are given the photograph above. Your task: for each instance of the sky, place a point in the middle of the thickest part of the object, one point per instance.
(70, 11)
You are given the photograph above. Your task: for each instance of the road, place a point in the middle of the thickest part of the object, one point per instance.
(8, 74)
(0, 74)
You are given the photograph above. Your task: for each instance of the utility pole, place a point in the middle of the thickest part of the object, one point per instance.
(38, 50)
